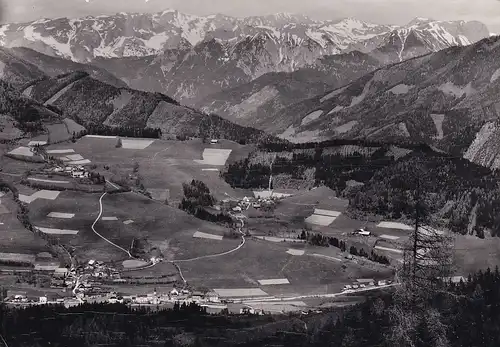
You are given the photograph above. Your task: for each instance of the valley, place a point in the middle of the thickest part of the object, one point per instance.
(169, 179)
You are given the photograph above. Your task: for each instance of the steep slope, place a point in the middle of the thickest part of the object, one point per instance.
(190, 57)
(134, 34)
(442, 98)
(23, 117)
(53, 66)
(94, 103)
(16, 70)
(255, 103)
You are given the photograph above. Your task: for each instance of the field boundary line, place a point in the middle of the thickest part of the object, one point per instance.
(102, 237)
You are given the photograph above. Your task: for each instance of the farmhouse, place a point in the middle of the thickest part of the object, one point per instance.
(214, 141)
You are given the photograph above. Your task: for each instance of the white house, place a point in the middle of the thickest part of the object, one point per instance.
(214, 141)
(174, 292)
(42, 300)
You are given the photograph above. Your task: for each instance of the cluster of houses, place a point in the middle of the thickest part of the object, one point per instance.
(366, 283)
(245, 203)
(74, 171)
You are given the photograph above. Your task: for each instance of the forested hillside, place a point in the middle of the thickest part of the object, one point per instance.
(93, 103)
(383, 180)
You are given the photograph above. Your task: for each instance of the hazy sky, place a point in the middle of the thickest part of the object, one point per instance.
(378, 11)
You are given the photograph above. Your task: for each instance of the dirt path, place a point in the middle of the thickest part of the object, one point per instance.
(102, 237)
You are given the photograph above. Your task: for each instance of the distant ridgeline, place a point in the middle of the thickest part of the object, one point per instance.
(381, 179)
(104, 109)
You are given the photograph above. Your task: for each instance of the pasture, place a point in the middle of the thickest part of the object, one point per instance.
(14, 238)
(259, 260)
(163, 165)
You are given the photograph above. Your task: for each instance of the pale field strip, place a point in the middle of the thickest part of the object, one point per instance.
(201, 235)
(296, 252)
(278, 239)
(266, 194)
(136, 144)
(291, 303)
(324, 257)
(46, 181)
(240, 292)
(26, 199)
(365, 280)
(46, 267)
(47, 194)
(329, 213)
(61, 215)
(101, 137)
(109, 218)
(60, 151)
(80, 162)
(75, 157)
(320, 220)
(134, 263)
(42, 194)
(127, 222)
(394, 225)
(389, 249)
(2, 194)
(213, 156)
(210, 169)
(24, 151)
(34, 143)
(271, 282)
(52, 231)
(25, 258)
(389, 237)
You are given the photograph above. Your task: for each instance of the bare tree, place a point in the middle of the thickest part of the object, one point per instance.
(428, 260)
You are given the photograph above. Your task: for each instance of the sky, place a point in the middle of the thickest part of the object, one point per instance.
(377, 11)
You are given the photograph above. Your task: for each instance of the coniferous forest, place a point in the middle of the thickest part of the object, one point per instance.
(471, 319)
(386, 177)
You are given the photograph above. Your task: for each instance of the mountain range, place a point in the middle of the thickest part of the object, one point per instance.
(190, 57)
(448, 99)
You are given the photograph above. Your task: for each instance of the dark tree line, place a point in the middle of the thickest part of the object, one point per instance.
(196, 198)
(453, 189)
(317, 239)
(101, 129)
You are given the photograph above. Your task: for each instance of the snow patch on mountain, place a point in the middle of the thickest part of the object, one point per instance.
(400, 89)
(358, 99)
(438, 122)
(311, 117)
(346, 127)
(482, 137)
(63, 48)
(250, 104)
(495, 76)
(402, 127)
(457, 91)
(332, 94)
(336, 109)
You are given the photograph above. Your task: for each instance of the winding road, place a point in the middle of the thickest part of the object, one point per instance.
(102, 237)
